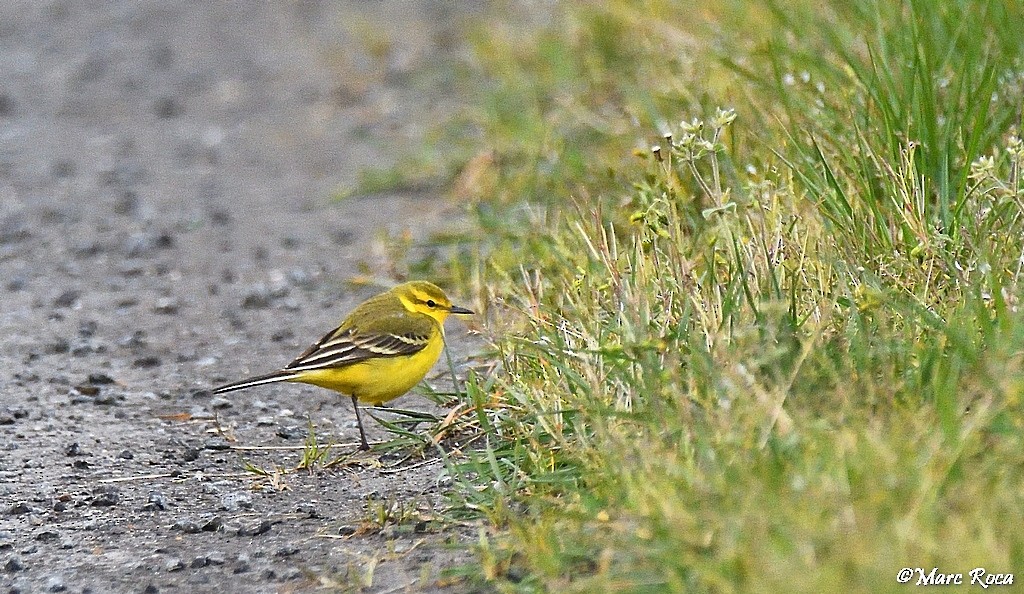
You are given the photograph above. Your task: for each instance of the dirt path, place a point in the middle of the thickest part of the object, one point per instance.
(165, 224)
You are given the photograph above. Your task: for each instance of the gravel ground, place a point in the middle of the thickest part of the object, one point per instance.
(166, 225)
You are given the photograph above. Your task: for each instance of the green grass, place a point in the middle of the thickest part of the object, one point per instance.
(786, 353)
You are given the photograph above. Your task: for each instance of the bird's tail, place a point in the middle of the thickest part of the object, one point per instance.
(259, 380)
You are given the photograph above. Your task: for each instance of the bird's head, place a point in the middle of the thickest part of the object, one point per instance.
(427, 298)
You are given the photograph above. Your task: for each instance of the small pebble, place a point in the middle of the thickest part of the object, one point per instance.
(236, 501)
(282, 335)
(343, 237)
(187, 526)
(57, 348)
(14, 228)
(157, 502)
(255, 530)
(146, 362)
(286, 551)
(213, 524)
(55, 584)
(217, 444)
(127, 203)
(47, 536)
(108, 399)
(134, 340)
(99, 379)
(308, 509)
(123, 174)
(87, 249)
(299, 277)
(200, 413)
(63, 168)
(167, 306)
(257, 297)
(220, 217)
(146, 244)
(67, 298)
(105, 496)
(220, 402)
(86, 346)
(86, 390)
(167, 108)
(19, 508)
(291, 432)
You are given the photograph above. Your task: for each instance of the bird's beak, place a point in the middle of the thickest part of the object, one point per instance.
(455, 309)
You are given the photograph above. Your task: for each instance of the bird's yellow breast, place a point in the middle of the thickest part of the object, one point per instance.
(381, 379)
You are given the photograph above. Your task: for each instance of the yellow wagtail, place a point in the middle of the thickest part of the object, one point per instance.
(382, 349)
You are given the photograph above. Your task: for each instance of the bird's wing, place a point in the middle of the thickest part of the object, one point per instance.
(345, 346)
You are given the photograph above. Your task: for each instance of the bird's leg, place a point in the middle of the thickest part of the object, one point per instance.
(362, 435)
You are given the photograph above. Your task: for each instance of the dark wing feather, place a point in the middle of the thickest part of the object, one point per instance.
(346, 347)
(315, 346)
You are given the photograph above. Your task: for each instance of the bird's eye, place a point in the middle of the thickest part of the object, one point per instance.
(430, 303)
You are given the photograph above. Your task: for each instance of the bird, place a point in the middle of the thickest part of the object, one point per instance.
(383, 348)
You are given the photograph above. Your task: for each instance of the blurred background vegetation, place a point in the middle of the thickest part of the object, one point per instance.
(754, 273)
